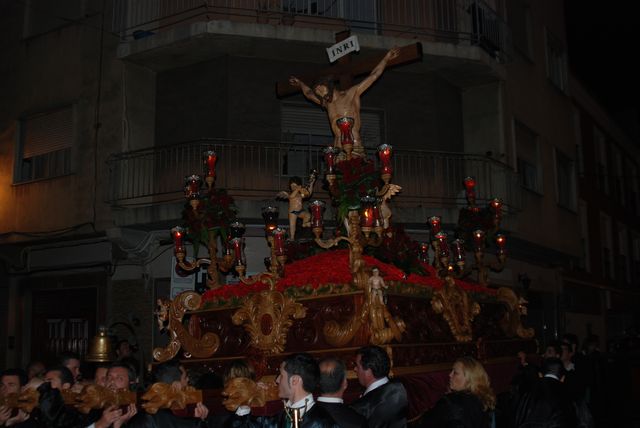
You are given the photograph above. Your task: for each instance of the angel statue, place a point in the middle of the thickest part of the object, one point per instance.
(297, 193)
(387, 191)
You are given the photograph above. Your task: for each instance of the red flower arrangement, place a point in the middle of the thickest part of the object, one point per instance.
(332, 267)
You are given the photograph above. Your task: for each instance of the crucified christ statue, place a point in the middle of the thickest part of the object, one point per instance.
(343, 104)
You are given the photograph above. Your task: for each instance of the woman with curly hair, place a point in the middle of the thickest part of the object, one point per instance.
(469, 402)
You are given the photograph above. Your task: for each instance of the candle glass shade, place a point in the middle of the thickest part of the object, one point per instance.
(501, 241)
(442, 244)
(209, 158)
(345, 124)
(236, 230)
(469, 183)
(237, 245)
(457, 250)
(330, 154)
(423, 252)
(178, 234)
(367, 219)
(384, 153)
(496, 205)
(270, 217)
(317, 209)
(478, 240)
(278, 241)
(435, 223)
(192, 186)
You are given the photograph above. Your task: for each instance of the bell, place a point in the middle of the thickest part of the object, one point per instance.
(100, 351)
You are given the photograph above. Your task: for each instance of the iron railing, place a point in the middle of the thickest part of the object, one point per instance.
(260, 169)
(454, 21)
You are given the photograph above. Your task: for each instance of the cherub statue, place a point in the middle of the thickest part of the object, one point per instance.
(376, 287)
(297, 194)
(387, 191)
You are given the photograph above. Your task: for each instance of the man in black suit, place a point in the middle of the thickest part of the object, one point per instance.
(332, 385)
(548, 403)
(384, 403)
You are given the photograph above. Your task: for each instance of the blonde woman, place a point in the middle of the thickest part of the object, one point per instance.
(469, 402)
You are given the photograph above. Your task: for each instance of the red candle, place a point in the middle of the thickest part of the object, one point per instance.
(442, 243)
(330, 158)
(278, 241)
(178, 233)
(469, 183)
(434, 221)
(316, 207)
(236, 244)
(458, 250)
(384, 153)
(424, 251)
(210, 159)
(501, 241)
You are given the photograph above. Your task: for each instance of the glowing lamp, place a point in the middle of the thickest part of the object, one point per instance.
(278, 241)
(236, 230)
(384, 153)
(270, 216)
(238, 250)
(435, 223)
(209, 157)
(501, 241)
(423, 251)
(442, 243)
(317, 209)
(178, 234)
(478, 239)
(330, 154)
(457, 250)
(367, 218)
(469, 184)
(192, 186)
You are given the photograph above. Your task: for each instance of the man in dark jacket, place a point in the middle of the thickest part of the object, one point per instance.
(548, 403)
(333, 384)
(384, 403)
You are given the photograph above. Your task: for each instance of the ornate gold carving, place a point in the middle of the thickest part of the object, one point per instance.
(165, 396)
(170, 314)
(457, 309)
(267, 317)
(242, 391)
(383, 327)
(511, 323)
(97, 397)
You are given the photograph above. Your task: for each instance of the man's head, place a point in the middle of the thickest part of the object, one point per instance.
(35, 369)
(121, 376)
(298, 377)
(100, 375)
(170, 372)
(554, 367)
(11, 380)
(71, 360)
(123, 349)
(59, 377)
(323, 89)
(567, 353)
(333, 377)
(553, 350)
(372, 363)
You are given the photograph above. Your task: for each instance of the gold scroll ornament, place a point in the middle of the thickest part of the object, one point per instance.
(169, 315)
(511, 323)
(457, 309)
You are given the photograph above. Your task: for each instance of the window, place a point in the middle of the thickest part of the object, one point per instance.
(618, 179)
(565, 180)
(527, 158)
(521, 28)
(556, 61)
(42, 16)
(624, 268)
(602, 168)
(308, 128)
(578, 136)
(607, 247)
(45, 145)
(584, 262)
(631, 176)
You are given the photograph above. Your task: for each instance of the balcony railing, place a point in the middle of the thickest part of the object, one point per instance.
(259, 169)
(453, 21)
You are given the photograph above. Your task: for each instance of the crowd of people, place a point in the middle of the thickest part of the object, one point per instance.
(554, 393)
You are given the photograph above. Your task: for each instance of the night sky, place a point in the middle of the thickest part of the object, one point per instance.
(603, 44)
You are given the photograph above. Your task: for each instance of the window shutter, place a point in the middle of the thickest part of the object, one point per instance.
(47, 133)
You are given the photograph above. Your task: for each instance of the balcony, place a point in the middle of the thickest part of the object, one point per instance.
(257, 170)
(459, 22)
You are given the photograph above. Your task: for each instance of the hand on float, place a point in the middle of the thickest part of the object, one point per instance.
(294, 81)
(393, 53)
(131, 411)
(201, 411)
(17, 419)
(5, 414)
(109, 416)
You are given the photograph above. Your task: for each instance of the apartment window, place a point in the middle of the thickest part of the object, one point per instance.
(631, 176)
(308, 128)
(519, 13)
(577, 130)
(565, 180)
(607, 246)
(45, 145)
(620, 190)
(585, 261)
(602, 164)
(636, 258)
(556, 61)
(527, 158)
(624, 265)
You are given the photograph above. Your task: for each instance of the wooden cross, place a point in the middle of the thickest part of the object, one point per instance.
(346, 70)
